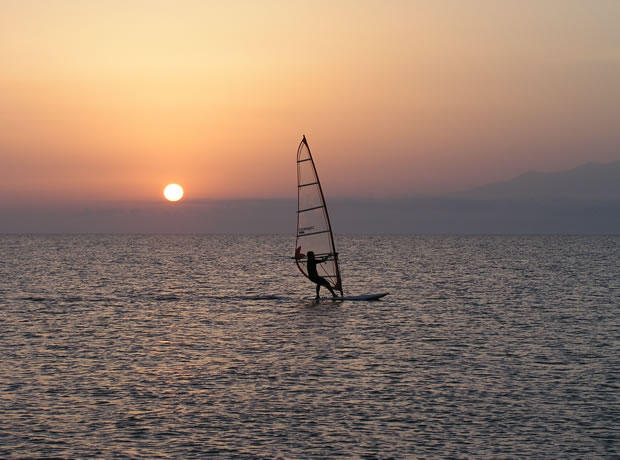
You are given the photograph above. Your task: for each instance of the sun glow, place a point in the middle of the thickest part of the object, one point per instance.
(173, 192)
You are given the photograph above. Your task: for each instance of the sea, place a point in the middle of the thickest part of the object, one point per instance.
(211, 346)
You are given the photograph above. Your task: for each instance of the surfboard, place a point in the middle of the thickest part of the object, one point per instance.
(315, 239)
(358, 297)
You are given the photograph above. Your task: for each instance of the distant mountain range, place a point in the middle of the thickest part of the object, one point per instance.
(583, 200)
(588, 182)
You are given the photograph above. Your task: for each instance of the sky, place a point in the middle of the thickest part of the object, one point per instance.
(107, 102)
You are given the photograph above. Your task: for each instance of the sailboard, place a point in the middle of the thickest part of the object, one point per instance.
(314, 230)
(358, 297)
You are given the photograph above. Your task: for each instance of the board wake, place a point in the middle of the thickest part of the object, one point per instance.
(358, 297)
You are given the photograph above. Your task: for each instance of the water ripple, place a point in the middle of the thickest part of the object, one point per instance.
(181, 347)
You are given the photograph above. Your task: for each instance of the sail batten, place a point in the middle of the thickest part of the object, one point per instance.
(310, 209)
(314, 232)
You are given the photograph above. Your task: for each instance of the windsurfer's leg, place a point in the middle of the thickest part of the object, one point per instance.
(325, 283)
(318, 288)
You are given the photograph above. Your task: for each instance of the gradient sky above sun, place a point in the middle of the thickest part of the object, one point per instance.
(113, 100)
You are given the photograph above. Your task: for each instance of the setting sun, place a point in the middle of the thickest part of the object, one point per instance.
(173, 192)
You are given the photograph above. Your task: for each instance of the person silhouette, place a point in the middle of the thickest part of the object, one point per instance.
(314, 275)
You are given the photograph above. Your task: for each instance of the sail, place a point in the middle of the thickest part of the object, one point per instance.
(314, 232)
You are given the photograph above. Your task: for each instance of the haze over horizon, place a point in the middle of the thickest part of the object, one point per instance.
(583, 200)
(109, 102)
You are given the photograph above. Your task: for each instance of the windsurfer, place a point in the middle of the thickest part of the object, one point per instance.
(314, 276)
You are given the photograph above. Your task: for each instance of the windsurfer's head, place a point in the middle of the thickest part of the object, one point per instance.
(310, 255)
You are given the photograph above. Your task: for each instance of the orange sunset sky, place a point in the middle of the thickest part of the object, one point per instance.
(111, 100)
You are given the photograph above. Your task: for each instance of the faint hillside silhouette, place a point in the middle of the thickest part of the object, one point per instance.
(588, 182)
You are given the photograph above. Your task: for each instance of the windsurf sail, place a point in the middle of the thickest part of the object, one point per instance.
(314, 231)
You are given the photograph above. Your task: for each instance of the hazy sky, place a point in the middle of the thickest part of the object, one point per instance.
(111, 100)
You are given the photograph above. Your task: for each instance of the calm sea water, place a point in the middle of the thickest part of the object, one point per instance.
(198, 346)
